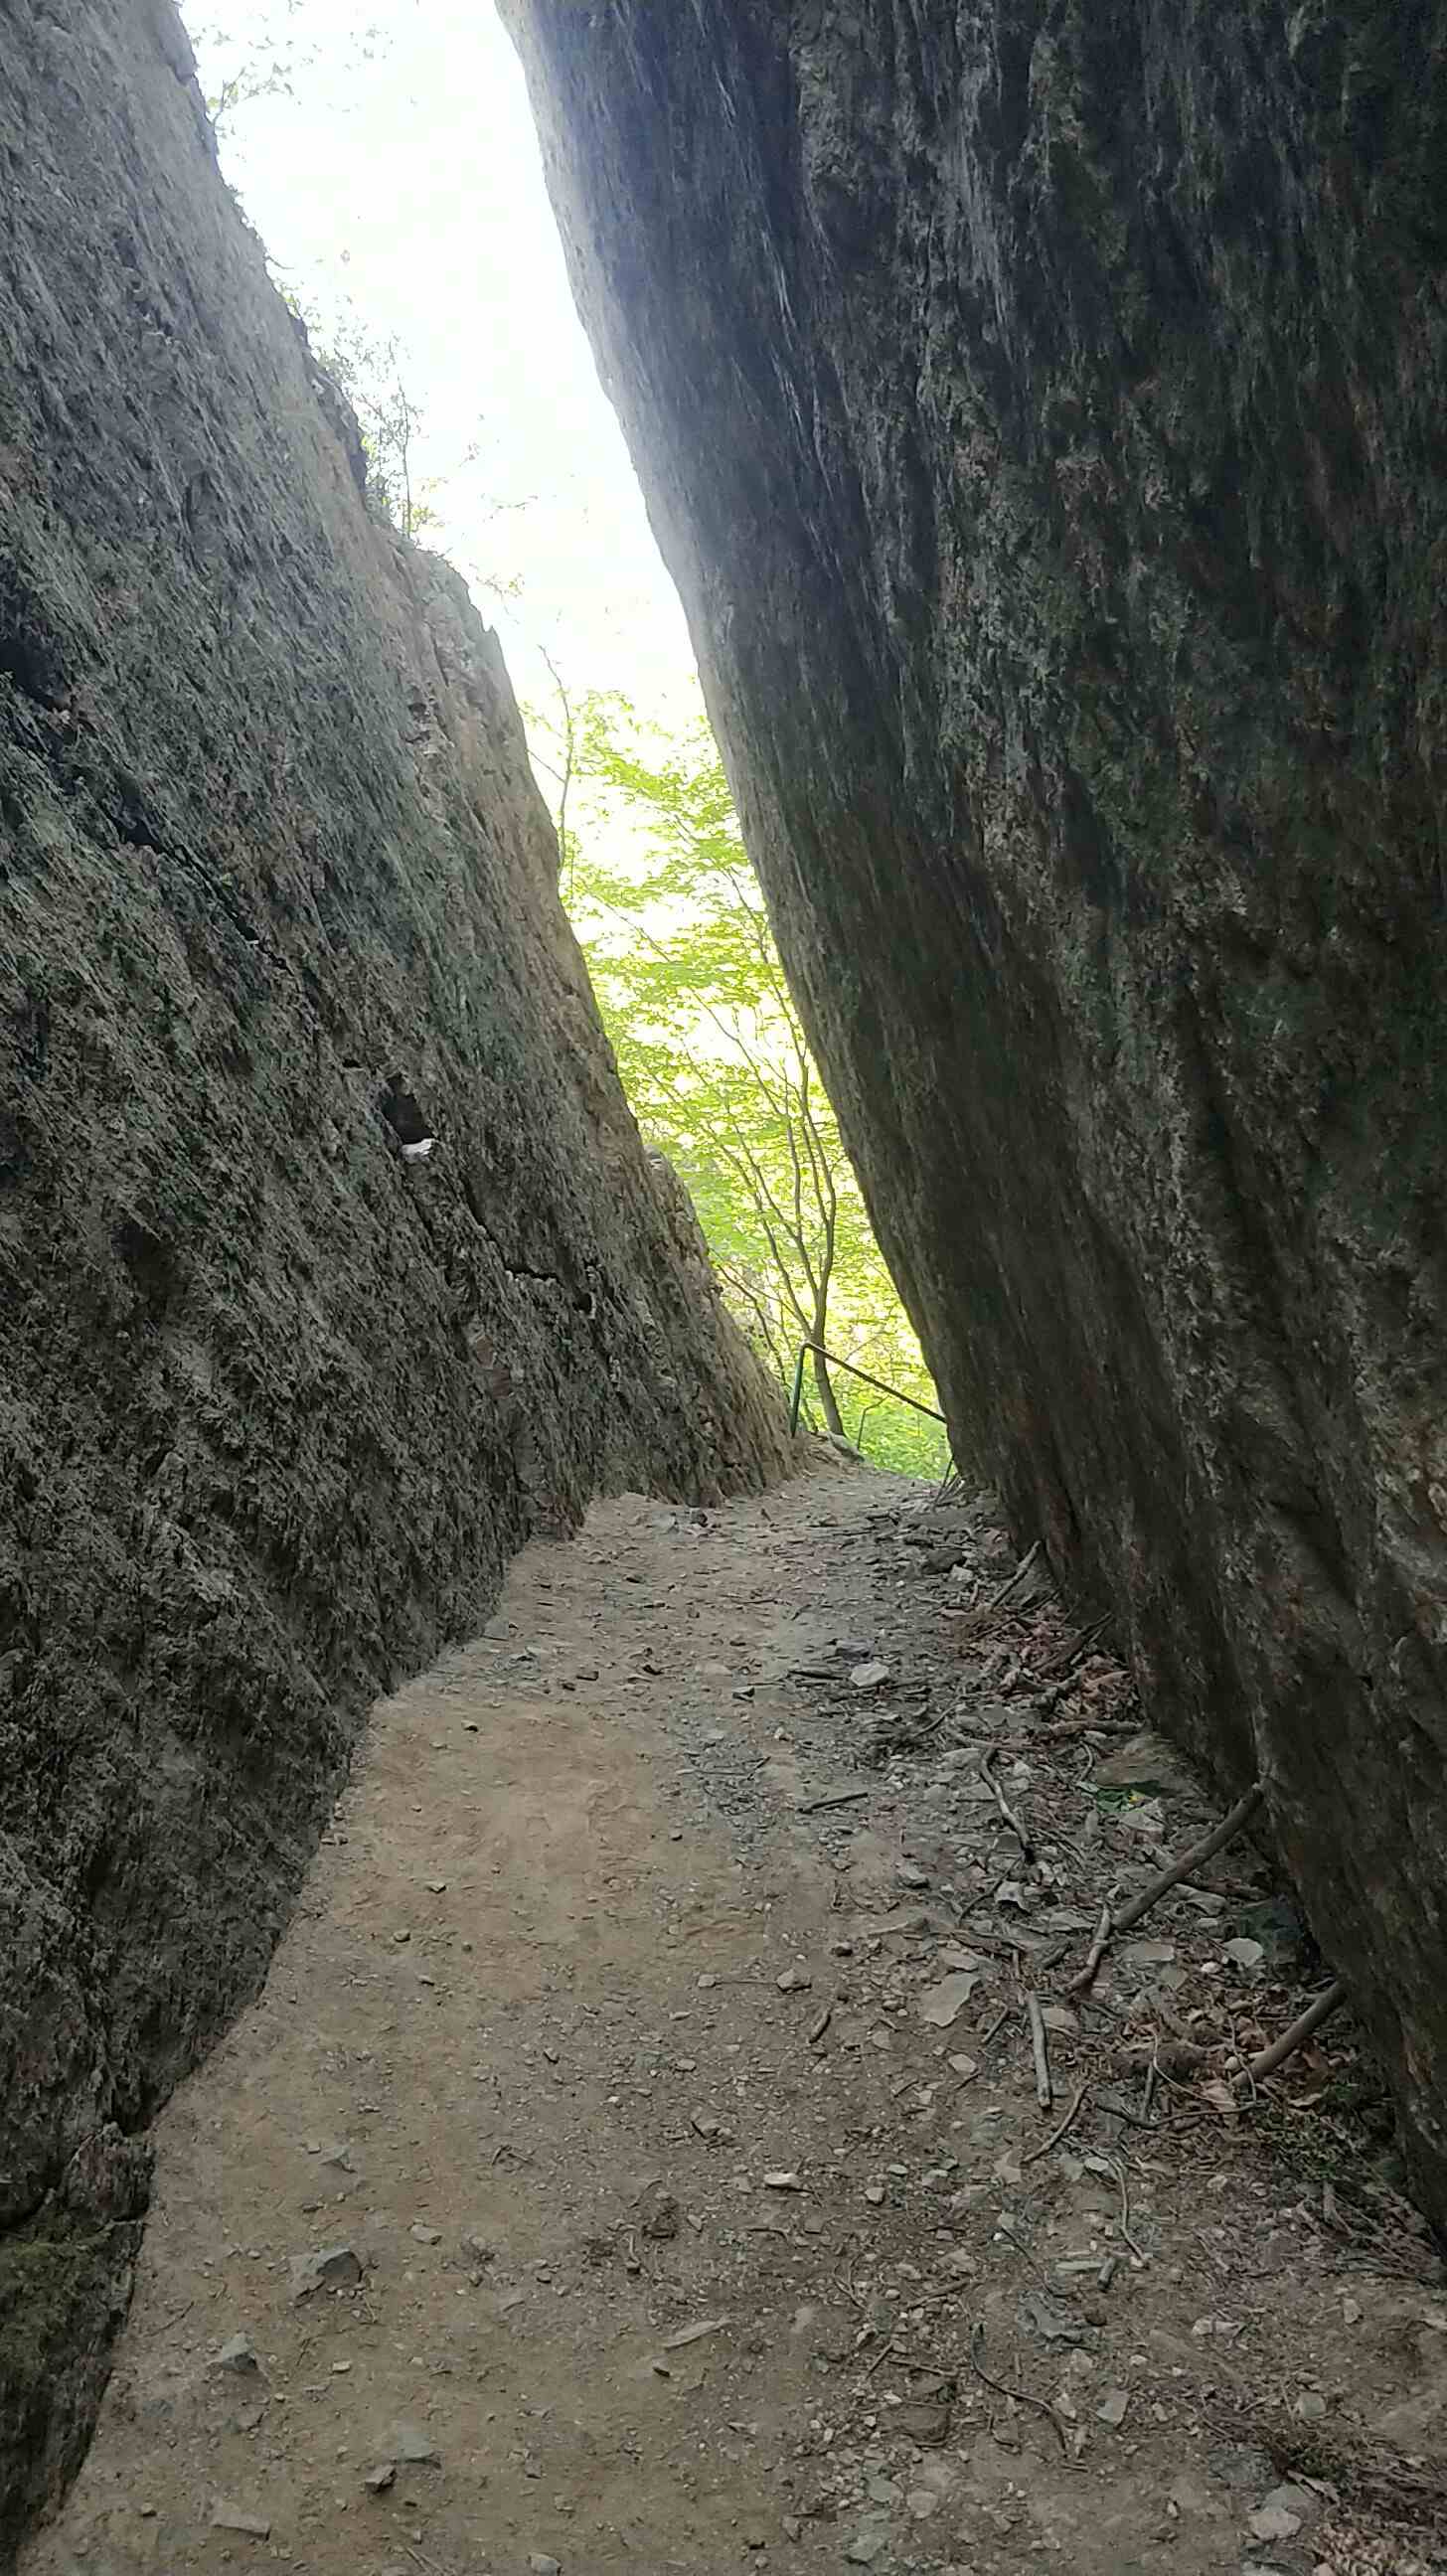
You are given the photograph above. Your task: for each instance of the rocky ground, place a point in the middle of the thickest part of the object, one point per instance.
(637, 2159)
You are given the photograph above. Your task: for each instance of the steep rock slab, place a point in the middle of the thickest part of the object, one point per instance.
(1041, 410)
(277, 899)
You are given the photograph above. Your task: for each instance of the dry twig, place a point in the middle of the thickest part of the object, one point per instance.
(1007, 1813)
(1137, 2249)
(1062, 2129)
(1206, 1849)
(1080, 1984)
(1017, 2396)
(1268, 2060)
(1044, 2095)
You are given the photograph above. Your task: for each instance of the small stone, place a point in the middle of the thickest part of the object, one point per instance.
(868, 1677)
(1273, 2522)
(658, 2214)
(234, 2517)
(940, 2004)
(540, 2564)
(964, 2067)
(793, 2527)
(383, 2476)
(236, 2356)
(922, 2422)
(408, 2443)
(476, 2247)
(436, 1886)
(426, 2235)
(1245, 1954)
(1112, 2407)
(909, 1874)
(867, 2550)
(794, 1981)
(1290, 2498)
(336, 2267)
(783, 2181)
(401, 1936)
(874, 2194)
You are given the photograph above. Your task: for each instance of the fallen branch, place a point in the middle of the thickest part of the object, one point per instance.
(1161, 1885)
(1008, 1586)
(1110, 1922)
(841, 1798)
(1061, 2129)
(1043, 2093)
(1301, 2029)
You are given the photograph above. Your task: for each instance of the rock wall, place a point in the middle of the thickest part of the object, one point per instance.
(277, 896)
(1041, 410)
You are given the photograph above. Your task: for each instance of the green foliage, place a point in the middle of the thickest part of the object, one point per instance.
(260, 53)
(719, 1073)
(369, 371)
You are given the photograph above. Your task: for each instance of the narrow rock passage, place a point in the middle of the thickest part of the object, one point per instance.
(630, 2146)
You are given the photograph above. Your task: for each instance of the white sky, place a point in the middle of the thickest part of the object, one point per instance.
(404, 177)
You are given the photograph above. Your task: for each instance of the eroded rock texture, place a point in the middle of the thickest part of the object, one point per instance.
(1041, 409)
(277, 894)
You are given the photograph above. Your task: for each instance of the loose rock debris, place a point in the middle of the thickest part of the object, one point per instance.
(704, 2209)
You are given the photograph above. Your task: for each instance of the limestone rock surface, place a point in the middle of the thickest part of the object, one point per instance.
(1040, 406)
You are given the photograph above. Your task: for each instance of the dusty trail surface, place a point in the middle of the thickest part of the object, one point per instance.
(672, 2135)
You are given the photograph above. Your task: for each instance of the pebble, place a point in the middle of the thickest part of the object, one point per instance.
(234, 2517)
(236, 2355)
(336, 2267)
(540, 2564)
(426, 2235)
(794, 1981)
(939, 2005)
(408, 2443)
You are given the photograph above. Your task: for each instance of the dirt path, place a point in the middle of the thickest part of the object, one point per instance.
(664, 2215)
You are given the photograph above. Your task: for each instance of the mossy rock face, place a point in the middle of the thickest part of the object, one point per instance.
(1041, 409)
(65, 2286)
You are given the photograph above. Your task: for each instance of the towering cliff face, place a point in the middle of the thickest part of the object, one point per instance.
(1040, 408)
(277, 897)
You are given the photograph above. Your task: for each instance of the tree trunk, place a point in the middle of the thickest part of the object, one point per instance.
(827, 1403)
